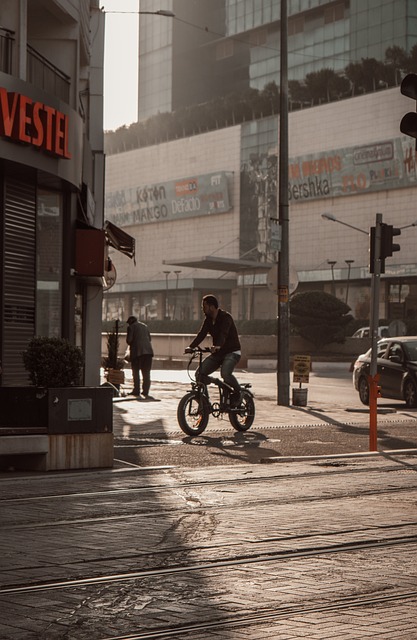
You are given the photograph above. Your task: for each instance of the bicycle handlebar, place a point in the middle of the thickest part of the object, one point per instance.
(195, 350)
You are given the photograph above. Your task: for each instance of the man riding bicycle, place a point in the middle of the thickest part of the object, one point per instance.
(225, 352)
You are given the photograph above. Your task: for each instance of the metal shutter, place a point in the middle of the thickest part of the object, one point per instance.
(19, 275)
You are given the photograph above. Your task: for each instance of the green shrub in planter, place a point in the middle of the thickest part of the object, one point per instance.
(53, 362)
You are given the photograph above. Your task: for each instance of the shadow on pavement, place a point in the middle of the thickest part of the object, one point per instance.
(245, 447)
(385, 439)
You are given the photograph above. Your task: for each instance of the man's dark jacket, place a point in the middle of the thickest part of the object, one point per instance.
(223, 331)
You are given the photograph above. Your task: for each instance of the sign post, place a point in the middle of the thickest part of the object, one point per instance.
(301, 373)
(373, 378)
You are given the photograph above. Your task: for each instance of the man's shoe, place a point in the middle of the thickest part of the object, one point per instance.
(134, 392)
(236, 399)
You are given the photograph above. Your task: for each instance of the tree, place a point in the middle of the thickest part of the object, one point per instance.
(298, 93)
(270, 96)
(395, 62)
(325, 85)
(373, 73)
(411, 61)
(319, 317)
(320, 86)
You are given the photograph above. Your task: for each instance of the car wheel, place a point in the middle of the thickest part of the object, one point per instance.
(410, 393)
(363, 387)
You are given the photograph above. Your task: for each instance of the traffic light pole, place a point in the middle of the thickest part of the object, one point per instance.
(283, 337)
(381, 246)
(373, 378)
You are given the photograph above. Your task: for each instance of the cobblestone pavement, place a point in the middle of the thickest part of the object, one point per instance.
(310, 549)
(209, 543)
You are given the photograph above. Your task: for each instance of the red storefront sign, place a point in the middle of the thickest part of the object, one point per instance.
(25, 120)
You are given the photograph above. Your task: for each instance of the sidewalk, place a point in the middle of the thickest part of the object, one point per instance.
(333, 422)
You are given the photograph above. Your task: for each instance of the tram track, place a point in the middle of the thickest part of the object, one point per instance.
(334, 471)
(262, 617)
(200, 507)
(200, 567)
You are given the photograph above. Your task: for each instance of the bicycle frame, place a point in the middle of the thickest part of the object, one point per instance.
(195, 406)
(225, 390)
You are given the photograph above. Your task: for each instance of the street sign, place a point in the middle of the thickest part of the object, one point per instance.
(275, 236)
(272, 280)
(397, 328)
(301, 371)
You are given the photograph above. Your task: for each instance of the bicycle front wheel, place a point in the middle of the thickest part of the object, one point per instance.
(243, 416)
(193, 413)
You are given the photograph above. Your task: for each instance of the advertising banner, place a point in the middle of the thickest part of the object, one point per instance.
(187, 197)
(353, 170)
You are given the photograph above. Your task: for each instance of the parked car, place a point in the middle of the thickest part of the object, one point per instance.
(365, 332)
(397, 366)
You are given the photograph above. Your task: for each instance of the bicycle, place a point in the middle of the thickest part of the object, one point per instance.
(195, 408)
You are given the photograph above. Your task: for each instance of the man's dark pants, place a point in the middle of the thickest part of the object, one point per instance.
(227, 363)
(142, 364)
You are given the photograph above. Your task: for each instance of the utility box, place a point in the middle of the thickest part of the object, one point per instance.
(90, 252)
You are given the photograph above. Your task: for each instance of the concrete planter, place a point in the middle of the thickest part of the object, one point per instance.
(77, 422)
(59, 410)
(115, 376)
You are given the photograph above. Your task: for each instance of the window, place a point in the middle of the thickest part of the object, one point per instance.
(49, 220)
(396, 352)
(257, 38)
(335, 13)
(295, 25)
(381, 349)
(224, 49)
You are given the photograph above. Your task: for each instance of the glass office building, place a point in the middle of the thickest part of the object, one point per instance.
(215, 47)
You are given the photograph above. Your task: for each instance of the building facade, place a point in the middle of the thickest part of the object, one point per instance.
(215, 47)
(51, 179)
(347, 158)
(202, 210)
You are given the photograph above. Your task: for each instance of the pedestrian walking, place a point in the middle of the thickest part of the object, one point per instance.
(141, 353)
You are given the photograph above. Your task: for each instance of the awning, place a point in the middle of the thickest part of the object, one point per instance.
(120, 240)
(232, 265)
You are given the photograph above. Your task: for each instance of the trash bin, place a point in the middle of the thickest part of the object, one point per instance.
(299, 397)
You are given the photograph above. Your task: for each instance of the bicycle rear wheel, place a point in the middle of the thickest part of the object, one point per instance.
(193, 413)
(243, 416)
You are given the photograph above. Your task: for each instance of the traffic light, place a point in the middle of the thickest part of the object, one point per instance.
(372, 251)
(408, 123)
(387, 247)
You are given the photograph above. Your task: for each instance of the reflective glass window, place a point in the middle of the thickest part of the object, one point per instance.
(49, 223)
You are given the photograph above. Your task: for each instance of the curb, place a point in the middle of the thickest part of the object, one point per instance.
(257, 365)
(339, 456)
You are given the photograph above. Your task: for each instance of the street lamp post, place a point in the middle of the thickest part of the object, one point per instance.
(166, 295)
(160, 12)
(332, 263)
(283, 346)
(177, 273)
(329, 216)
(349, 264)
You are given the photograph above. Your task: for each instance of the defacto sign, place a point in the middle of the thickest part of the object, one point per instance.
(34, 123)
(183, 198)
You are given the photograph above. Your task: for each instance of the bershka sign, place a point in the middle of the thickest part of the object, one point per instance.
(35, 123)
